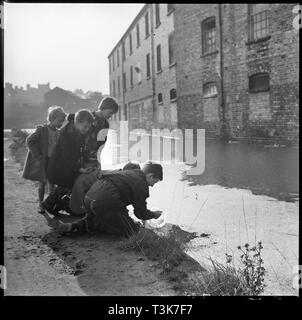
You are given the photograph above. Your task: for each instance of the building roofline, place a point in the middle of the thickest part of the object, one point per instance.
(144, 8)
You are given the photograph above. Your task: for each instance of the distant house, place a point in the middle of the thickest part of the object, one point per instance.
(68, 100)
(24, 108)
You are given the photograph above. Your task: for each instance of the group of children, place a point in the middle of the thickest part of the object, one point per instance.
(63, 155)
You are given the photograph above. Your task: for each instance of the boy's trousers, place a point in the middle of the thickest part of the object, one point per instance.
(106, 212)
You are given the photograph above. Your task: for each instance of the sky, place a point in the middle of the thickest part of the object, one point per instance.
(64, 44)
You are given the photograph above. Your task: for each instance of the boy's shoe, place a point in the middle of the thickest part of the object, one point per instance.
(68, 228)
(41, 209)
(48, 208)
(63, 204)
(64, 227)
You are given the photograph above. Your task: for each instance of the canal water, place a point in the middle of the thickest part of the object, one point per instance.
(264, 170)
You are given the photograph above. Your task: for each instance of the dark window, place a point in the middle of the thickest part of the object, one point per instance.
(259, 82)
(123, 51)
(209, 35)
(160, 98)
(209, 89)
(157, 15)
(147, 25)
(258, 21)
(118, 57)
(138, 72)
(171, 48)
(158, 57)
(130, 44)
(148, 65)
(120, 114)
(110, 64)
(170, 7)
(113, 62)
(131, 76)
(119, 85)
(114, 92)
(124, 81)
(173, 95)
(137, 35)
(126, 112)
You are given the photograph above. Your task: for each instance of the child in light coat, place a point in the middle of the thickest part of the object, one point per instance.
(40, 145)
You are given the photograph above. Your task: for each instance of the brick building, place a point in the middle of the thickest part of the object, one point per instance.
(232, 69)
(142, 73)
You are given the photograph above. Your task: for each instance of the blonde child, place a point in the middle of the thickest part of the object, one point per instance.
(40, 145)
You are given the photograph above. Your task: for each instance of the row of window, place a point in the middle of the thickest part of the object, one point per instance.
(257, 25)
(124, 113)
(257, 83)
(173, 96)
(138, 71)
(115, 58)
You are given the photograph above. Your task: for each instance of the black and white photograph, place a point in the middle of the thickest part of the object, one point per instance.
(151, 150)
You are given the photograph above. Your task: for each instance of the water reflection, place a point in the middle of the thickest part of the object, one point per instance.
(263, 170)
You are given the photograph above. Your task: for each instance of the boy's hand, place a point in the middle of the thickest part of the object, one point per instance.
(157, 214)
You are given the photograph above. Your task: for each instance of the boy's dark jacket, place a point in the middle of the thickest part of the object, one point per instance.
(37, 143)
(67, 158)
(133, 189)
(92, 145)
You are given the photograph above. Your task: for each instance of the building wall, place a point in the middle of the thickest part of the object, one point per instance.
(271, 114)
(140, 101)
(194, 69)
(141, 92)
(130, 98)
(235, 111)
(166, 113)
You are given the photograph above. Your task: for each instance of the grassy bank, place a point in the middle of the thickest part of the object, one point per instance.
(187, 275)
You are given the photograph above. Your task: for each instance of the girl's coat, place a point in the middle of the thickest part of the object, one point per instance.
(35, 163)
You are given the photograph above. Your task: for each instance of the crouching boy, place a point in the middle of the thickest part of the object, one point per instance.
(83, 183)
(107, 199)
